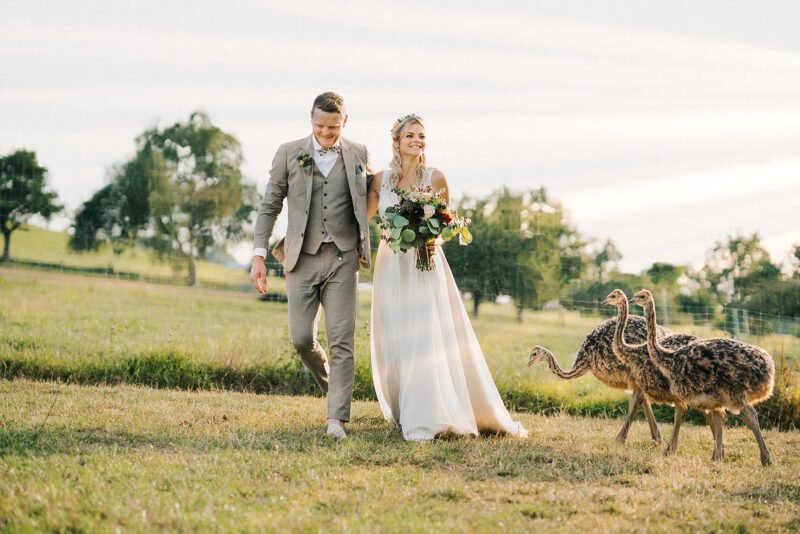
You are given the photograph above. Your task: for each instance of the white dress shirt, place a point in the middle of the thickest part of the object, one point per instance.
(324, 163)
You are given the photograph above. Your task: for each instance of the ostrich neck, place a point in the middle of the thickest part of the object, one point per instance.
(624, 349)
(660, 356)
(575, 372)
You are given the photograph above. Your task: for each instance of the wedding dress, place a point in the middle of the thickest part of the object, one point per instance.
(428, 369)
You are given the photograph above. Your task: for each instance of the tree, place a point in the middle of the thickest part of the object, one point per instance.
(182, 194)
(523, 248)
(761, 274)
(546, 240)
(776, 297)
(587, 295)
(483, 266)
(117, 212)
(736, 257)
(90, 220)
(665, 274)
(198, 198)
(701, 304)
(22, 193)
(605, 259)
(739, 273)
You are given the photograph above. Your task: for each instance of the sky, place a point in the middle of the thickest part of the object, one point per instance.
(662, 126)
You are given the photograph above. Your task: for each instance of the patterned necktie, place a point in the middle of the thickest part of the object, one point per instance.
(335, 148)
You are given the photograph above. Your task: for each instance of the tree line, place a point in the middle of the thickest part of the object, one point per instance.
(182, 194)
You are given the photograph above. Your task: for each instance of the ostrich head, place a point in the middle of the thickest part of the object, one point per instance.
(616, 298)
(538, 354)
(643, 298)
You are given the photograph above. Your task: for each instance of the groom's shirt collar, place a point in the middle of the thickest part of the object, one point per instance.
(326, 161)
(317, 146)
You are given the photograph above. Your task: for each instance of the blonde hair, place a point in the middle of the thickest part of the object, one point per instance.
(395, 167)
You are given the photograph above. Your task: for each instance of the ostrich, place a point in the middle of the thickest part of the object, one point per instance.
(649, 379)
(714, 375)
(596, 355)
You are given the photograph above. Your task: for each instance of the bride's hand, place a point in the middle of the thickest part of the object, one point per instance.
(431, 248)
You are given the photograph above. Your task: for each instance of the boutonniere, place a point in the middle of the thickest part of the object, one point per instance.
(305, 161)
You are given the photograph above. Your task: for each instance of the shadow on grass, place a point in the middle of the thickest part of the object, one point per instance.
(775, 493)
(169, 369)
(175, 370)
(166, 369)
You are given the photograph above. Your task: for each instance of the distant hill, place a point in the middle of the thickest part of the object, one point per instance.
(33, 243)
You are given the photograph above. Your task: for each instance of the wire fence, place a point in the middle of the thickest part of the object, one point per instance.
(274, 269)
(738, 322)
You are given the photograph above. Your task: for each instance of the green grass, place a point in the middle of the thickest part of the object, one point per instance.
(76, 458)
(67, 318)
(191, 456)
(93, 330)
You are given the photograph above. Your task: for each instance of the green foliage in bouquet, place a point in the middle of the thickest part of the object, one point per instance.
(421, 216)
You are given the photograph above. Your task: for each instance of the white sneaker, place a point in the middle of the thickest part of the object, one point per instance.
(336, 432)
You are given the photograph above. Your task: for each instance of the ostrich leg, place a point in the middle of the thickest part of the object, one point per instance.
(710, 422)
(680, 412)
(633, 405)
(751, 420)
(655, 435)
(716, 429)
(638, 398)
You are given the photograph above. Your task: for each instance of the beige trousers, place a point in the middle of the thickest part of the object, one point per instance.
(327, 279)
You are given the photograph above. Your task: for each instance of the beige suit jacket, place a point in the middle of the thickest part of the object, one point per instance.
(289, 180)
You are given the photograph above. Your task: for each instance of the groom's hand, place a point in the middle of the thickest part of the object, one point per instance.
(258, 274)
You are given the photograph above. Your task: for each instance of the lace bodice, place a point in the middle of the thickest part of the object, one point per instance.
(387, 195)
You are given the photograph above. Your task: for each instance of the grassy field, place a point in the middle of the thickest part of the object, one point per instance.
(77, 458)
(68, 318)
(116, 456)
(32, 243)
(97, 330)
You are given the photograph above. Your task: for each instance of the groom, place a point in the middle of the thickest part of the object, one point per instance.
(324, 178)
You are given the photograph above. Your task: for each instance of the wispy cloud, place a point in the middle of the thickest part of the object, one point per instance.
(589, 110)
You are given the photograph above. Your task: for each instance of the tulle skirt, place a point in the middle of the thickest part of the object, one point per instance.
(428, 369)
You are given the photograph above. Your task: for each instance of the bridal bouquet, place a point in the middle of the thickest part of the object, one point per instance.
(421, 216)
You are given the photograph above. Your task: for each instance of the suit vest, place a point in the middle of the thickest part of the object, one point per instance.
(331, 211)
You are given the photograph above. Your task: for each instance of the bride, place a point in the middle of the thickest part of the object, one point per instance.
(428, 368)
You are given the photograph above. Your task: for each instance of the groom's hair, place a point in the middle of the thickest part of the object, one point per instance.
(329, 102)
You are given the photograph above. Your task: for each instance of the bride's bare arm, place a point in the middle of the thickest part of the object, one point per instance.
(373, 195)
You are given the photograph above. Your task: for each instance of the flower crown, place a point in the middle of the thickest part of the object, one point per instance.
(406, 117)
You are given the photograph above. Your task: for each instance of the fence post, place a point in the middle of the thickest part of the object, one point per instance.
(735, 314)
(664, 307)
(746, 322)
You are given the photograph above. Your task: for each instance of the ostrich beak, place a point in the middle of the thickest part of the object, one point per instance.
(605, 302)
(631, 300)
